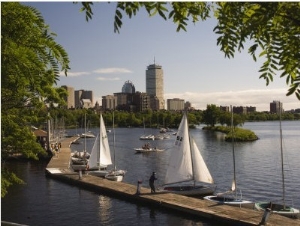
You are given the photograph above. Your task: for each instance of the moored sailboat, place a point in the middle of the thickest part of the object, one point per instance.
(187, 173)
(231, 197)
(115, 174)
(146, 137)
(280, 208)
(100, 156)
(79, 159)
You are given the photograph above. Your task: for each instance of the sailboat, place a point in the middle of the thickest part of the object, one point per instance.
(146, 137)
(79, 159)
(115, 174)
(282, 208)
(187, 166)
(100, 156)
(234, 199)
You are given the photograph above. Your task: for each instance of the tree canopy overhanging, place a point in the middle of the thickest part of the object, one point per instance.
(30, 64)
(273, 28)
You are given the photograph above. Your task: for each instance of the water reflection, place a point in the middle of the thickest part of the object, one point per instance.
(44, 201)
(104, 209)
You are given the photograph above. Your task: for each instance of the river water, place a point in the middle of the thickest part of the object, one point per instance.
(44, 201)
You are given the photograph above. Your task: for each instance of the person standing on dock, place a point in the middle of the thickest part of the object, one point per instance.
(151, 182)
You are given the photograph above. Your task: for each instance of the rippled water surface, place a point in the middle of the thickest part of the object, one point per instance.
(44, 201)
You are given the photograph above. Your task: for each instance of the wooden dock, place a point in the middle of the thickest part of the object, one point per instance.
(58, 168)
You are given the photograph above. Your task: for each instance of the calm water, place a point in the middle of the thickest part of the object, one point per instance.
(44, 201)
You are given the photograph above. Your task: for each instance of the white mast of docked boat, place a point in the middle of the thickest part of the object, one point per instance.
(281, 150)
(233, 186)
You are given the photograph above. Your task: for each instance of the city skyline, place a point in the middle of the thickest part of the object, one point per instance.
(194, 68)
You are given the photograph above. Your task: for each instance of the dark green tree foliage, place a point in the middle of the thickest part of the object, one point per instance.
(29, 69)
(211, 115)
(272, 29)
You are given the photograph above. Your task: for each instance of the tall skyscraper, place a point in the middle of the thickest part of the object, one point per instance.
(155, 86)
(70, 98)
(275, 106)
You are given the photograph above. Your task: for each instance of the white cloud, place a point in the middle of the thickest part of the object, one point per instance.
(257, 98)
(74, 74)
(108, 79)
(112, 71)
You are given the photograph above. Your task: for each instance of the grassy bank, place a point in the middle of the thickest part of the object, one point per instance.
(239, 133)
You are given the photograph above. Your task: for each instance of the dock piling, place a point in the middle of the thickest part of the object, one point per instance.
(138, 189)
(265, 217)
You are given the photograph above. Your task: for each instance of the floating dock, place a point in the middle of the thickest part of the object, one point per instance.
(59, 168)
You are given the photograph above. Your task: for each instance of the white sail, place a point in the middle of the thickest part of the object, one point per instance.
(94, 158)
(180, 165)
(105, 157)
(100, 155)
(201, 172)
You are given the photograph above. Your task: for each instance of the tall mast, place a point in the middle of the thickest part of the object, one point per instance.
(233, 151)
(85, 132)
(100, 138)
(281, 150)
(191, 148)
(114, 141)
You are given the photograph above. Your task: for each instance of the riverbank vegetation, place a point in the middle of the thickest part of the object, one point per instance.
(155, 119)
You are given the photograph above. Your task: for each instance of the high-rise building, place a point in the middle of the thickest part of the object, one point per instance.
(175, 104)
(275, 106)
(141, 101)
(155, 86)
(83, 94)
(128, 87)
(124, 101)
(109, 102)
(70, 98)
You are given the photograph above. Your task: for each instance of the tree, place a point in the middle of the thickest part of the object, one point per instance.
(273, 28)
(211, 115)
(29, 69)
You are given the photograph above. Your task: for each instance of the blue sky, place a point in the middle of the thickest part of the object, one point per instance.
(194, 68)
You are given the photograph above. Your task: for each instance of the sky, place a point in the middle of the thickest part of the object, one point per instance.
(194, 67)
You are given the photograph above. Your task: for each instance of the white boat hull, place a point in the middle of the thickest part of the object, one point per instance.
(149, 137)
(87, 135)
(117, 178)
(146, 150)
(229, 201)
(278, 209)
(116, 175)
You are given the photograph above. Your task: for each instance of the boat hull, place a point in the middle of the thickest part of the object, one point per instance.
(117, 178)
(229, 201)
(116, 175)
(190, 190)
(146, 150)
(98, 173)
(79, 167)
(278, 209)
(149, 137)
